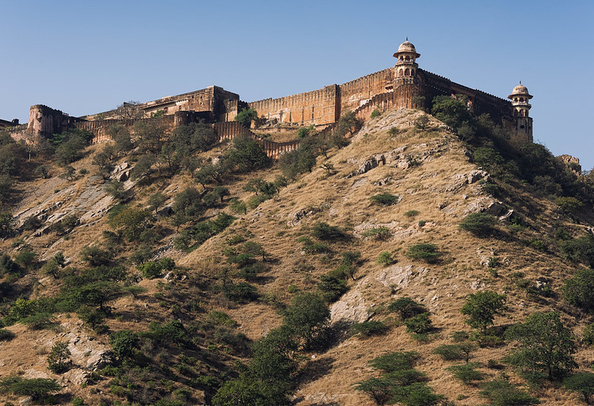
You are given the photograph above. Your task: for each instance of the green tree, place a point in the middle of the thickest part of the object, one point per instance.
(156, 200)
(131, 222)
(38, 388)
(297, 161)
(221, 192)
(58, 360)
(143, 168)
(502, 393)
(150, 136)
(419, 324)
(347, 124)
(116, 190)
(250, 391)
(307, 317)
(93, 294)
(209, 173)
(481, 309)
(582, 383)
(274, 357)
(6, 224)
(121, 136)
(194, 137)
(545, 345)
(479, 224)
(579, 250)
(129, 110)
(452, 111)
(246, 155)
(379, 389)
(124, 343)
(395, 361)
(467, 373)
(384, 199)
(579, 290)
(305, 132)
(188, 205)
(95, 256)
(406, 307)
(253, 185)
(427, 252)
(246, 117)
(326, 232)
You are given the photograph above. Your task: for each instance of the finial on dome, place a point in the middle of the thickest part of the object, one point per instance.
(406, 38)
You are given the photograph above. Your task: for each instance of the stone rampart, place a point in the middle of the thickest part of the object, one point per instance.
(357, 92)
(220, 103)
(8, 124)
(100, 128)
(45, 121)
(231, 129)
(315, 107)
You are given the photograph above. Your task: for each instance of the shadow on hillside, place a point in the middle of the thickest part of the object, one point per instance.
(315, 369)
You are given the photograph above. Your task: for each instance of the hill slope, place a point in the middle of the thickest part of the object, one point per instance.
(436, 186)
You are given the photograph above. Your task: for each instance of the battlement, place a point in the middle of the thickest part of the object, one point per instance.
(7, 124)
(409, 87)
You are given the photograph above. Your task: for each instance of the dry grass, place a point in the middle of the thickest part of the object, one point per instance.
(426, 169)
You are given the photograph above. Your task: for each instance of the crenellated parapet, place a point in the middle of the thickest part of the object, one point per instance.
(403, 85)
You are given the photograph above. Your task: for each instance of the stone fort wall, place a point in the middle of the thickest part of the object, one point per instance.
(221, 105)
(381, 91)
(323, 106)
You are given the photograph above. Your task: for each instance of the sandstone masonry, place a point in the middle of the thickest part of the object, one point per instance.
(403, 85)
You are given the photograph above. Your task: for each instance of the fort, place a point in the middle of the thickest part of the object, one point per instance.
(402, 85)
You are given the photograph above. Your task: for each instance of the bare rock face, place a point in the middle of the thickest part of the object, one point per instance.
(396, 276)
(368, 165)
(351, 308)
(496, 209)
(301, 214)
(476, 175)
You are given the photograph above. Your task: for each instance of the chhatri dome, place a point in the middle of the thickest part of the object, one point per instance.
(519, 92)
(406, 48)
(406, 66)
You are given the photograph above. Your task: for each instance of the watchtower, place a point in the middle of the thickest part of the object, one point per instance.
(406, 66)
(521, 104)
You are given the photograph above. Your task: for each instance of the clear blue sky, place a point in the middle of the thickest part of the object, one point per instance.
(84, 56)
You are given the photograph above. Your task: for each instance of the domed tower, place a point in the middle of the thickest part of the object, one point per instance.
(521, 104)
(406, 67)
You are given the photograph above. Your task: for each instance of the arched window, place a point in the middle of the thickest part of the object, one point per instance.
(521, 99)
(407, 72)
(399, 72)
(407, 58)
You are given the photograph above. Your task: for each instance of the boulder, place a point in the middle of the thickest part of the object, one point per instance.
(476, 175)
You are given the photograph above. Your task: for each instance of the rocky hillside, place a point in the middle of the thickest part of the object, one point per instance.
(161, 303)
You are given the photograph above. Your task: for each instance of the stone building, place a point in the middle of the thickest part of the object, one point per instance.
(8, 124)
(402, 85)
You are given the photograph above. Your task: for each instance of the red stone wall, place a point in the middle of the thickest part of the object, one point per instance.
(315, 107)
(357, 92)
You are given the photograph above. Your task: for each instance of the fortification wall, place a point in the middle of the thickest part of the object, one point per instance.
(231, 129)
(434, 85)
(100, 128)
(7, 124)
(44, 121)
(220, 102)
(357, 92)
(315, 107)
(403, 96)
